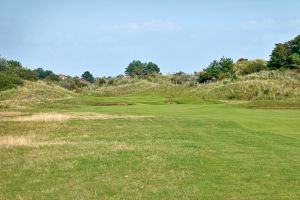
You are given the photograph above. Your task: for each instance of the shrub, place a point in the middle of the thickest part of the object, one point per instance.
(245, 67)
(9, 80)
(68, 84)
(42, 74)
(27, 74)
(52, 77)
(101, 81)
(217, 70)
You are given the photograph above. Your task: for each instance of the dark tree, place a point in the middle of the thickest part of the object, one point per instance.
(88, 77)
(135, 68)
(151, 68)
(138, 69)
(42, 74)
(219, 70)
(286, 55)
(279, 56)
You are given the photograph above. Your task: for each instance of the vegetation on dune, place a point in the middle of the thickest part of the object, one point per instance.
(217, 70)
(88, 77)
(138, 69)
(33, 93)
(245, 66)
(223, 79)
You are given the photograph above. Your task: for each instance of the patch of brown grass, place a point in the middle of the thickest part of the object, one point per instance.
(11, 141)
(10, 114)
(20, 117)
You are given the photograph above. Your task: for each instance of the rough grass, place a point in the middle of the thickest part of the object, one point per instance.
(265, 85)
(46, 117)
(165, 143)
(186, 151)
(33, 93)
(12, 141)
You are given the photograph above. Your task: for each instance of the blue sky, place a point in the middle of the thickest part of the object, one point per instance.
(71, 37)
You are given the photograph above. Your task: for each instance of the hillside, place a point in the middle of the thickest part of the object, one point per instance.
(282, 87)
(264, 85)
(33, 92)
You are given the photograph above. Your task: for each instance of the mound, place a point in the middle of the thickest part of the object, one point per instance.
(33, 92)
(265, 85)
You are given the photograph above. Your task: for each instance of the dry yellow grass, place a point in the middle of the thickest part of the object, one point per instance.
(44, 117)
(28, 140)
(10, 114)
(11, 141)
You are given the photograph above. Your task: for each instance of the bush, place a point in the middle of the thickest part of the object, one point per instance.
(68, 84)
(27, 74)
(217, 70)
(42, 74)
(78, 83)
(52, 77)
(245, 67)
(101, 81)
(9, 80)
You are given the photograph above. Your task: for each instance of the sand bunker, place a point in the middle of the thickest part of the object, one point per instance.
(23, 117)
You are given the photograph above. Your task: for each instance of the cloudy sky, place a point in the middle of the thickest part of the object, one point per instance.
(103, 36)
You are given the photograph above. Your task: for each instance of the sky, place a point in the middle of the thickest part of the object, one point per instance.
(104, 36)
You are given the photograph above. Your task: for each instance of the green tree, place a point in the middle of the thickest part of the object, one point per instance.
(294, 61)
(285, 55)
(88, 77)
(42, 74)
(135, 68)
(279, 56)
(219, 70)
(151, 68)
(138, 69)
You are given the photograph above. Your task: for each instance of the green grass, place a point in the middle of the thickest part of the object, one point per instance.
(186, 150)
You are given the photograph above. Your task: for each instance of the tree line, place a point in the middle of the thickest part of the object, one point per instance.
(284, 56)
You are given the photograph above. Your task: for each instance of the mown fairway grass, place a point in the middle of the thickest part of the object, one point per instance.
(183, 151)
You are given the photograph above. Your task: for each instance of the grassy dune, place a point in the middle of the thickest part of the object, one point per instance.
(153, 142)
